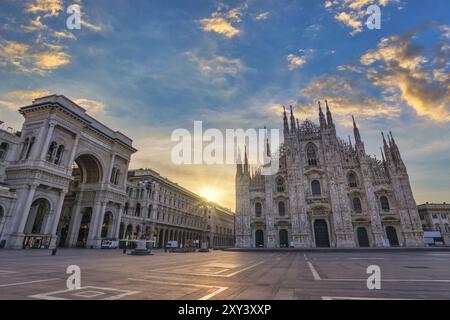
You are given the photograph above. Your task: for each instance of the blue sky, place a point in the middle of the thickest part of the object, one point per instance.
(149, 67)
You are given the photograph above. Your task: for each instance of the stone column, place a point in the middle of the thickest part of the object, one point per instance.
(111, 166)
(72, 154)
(51, 128)
(95, 226)
(16, 239)
(56, 217)
(118, 221)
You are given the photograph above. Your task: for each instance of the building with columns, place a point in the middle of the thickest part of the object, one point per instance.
(436, 217)
(64, 181)
(169, 212)
(327, 193)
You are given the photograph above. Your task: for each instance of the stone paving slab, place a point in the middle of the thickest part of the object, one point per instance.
(230, 275)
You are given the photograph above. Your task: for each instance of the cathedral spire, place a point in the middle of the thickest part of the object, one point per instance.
(356, 132)
(329, 117)
(285, 123)
(238, 163)
(245, 161)
(321, 117)
(293, 126)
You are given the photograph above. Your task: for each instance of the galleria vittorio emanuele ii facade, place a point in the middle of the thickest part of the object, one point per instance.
(64, 181)
(327, 193)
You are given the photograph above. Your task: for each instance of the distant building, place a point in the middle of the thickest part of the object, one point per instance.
(436, 217)
(327, 193)
(64, 181)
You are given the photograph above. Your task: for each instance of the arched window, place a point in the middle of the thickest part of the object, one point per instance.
(352, 182)
(24, 148)
(280, 184)
(113, 173)
(116, 177)
(59, 154)
(357, 205)
(437, 226)
(315, 188)
(125, 210)
(3, 150)
(30, 146)
(258, 209)
(137, 211)
(51, 151)
(447, 228)
(1, 214)
(311, 155)
(281, 209)
(384, 204)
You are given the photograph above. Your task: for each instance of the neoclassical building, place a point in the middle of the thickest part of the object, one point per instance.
(327, 193)
(170, 212)
(64, 181)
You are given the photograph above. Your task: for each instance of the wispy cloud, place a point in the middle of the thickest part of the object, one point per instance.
(352, 13)
(49, 8)
(409, 72)
(223, 22)
(262, 16)
(297, 60)
(218, 65)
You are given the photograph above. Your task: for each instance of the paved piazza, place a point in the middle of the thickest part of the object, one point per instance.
(108, 274)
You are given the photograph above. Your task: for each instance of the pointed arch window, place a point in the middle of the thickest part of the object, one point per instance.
(352, 180)
(357, 207)
(311, 155)
(281, 208)
(280, 184)
(384, 201)
(315, 188)
(258, 209)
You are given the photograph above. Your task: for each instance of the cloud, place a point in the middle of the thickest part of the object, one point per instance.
(40, 59)
(94, 108)
(410, 73)
(218, 65)
(262, 16)
(346, 95)
(352, 13)
(50, 8)
(223, 22)
(295, 61)
(35, 25)
(16, 99)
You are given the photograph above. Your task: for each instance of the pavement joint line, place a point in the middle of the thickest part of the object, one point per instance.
(211, 274)
(27, 282)
(206, 297)
(49, 295)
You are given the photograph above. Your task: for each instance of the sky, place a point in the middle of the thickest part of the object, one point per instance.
(146, 68)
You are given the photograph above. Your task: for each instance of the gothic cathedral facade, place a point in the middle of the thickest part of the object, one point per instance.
(327, 193)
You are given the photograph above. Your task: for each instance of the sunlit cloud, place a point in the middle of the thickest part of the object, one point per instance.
(352, 13)
(223, 22)
(218, 65)
(49, 8)
(407, 71)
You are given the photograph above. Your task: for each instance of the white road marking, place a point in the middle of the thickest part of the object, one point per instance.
(185, 284)
(367, 258)
(27, 282)
(52, 295)
(313, 270)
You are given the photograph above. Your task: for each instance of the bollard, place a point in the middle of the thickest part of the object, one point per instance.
(124, 251)
(54, 252)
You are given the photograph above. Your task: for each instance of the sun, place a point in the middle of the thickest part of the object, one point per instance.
(210, 194)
